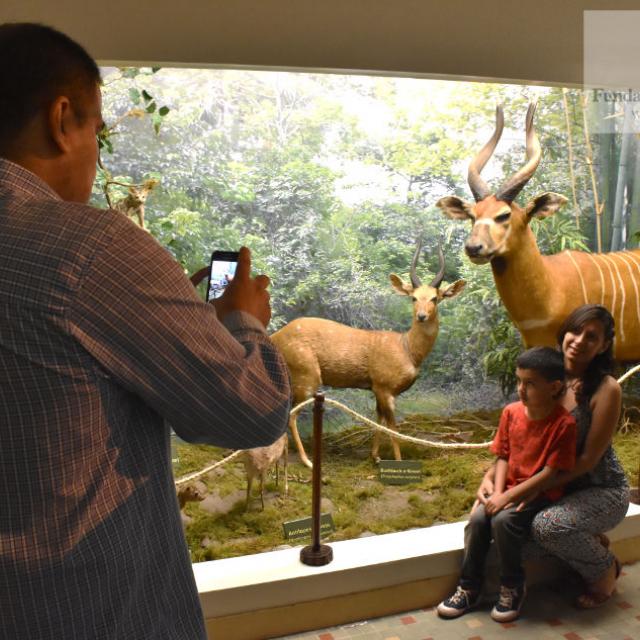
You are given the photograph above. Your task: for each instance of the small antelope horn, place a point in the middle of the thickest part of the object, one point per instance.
(437, 281)
(199, 276)
(478, 186)
(415, 281)
(510, 189)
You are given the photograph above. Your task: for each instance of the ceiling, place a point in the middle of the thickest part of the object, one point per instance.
(532, 42)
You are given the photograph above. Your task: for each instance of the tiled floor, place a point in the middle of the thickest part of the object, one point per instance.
(547, 615)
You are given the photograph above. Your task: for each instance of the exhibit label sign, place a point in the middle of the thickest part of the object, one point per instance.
(400, 471)
(297, 529)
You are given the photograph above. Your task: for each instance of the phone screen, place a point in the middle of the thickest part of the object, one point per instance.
(223, 268)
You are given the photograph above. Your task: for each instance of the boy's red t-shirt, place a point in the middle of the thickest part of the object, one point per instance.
(529, 445)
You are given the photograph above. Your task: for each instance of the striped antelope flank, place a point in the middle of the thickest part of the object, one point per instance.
(540, 291)
(323, 352)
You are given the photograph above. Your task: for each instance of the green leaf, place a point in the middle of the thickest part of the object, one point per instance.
(129, 72)
(151, 107)
(147, 96)
(155, 69)
(134, 95)
(163, 111)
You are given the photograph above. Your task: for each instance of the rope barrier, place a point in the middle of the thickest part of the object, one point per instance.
(359, 417)
(375, 425)
(401, 436)
(197, 474)
(628, 374)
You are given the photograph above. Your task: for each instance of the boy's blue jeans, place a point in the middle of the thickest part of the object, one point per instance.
(509, 529)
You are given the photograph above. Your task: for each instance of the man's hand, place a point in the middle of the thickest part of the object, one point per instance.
(496, 502)
(245, 293)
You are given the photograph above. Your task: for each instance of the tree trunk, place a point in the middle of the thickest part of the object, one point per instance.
(633, 223)
(619, 207)
(606, 164)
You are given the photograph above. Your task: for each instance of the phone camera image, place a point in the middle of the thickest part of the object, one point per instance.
(221, 274)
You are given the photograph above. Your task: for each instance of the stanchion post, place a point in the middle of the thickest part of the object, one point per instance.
(316, 554)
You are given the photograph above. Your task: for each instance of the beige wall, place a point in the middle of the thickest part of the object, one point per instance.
(535, 41)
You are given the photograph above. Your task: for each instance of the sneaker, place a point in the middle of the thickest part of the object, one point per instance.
(509, 603)
(460, 602)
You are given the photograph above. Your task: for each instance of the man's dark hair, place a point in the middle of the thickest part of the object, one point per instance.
(38, 64)
(548, 362)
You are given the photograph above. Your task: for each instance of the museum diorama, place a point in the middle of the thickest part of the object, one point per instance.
(409, 321)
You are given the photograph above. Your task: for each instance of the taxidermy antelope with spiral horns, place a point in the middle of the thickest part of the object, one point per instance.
(540, 291)
(323, 352)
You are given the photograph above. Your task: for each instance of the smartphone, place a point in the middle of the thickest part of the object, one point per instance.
(221, 272)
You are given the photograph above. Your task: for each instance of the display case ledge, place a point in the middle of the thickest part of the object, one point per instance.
(271, 594)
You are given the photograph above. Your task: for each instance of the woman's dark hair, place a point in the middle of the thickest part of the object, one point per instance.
(602, 364)
(38, 64)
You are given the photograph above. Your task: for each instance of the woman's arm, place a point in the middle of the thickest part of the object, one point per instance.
(605, 413)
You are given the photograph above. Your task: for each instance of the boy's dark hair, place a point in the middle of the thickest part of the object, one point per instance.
(38, 64)
(548, 362)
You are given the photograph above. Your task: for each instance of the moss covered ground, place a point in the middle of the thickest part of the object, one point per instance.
(359, 503)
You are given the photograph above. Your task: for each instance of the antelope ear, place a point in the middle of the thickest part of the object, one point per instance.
(453, 289)
(403, 288)
(456, 208)
(544, 205)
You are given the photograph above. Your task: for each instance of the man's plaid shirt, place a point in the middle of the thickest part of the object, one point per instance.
(102, 339)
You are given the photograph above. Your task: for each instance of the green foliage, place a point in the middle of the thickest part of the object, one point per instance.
(141, 105)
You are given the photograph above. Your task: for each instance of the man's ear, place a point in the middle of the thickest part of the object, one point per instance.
(403, 288)
(59, 121)
(544, 205)
(456, 208)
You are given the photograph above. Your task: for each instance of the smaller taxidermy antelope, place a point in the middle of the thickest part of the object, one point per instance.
(323, 352)
(190, 493)
(193, 492)
(259, 460)
(133, 204)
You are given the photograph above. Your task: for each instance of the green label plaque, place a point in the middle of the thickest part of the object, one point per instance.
(400, 471)
(297, 529)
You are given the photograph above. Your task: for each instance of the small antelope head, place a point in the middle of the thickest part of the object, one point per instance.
(499, 224)
(425, 297)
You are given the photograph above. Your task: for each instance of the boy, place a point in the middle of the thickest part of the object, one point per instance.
(536, 438)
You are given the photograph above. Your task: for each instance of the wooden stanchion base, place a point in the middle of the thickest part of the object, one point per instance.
(316, 556)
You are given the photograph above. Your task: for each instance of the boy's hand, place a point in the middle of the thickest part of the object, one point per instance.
(484, 490)
(496, 502)
(245, 293)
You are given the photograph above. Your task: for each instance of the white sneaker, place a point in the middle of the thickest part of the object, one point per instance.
(460, 602)
(509, 603)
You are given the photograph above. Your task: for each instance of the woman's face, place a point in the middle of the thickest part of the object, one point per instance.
(581, 346)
